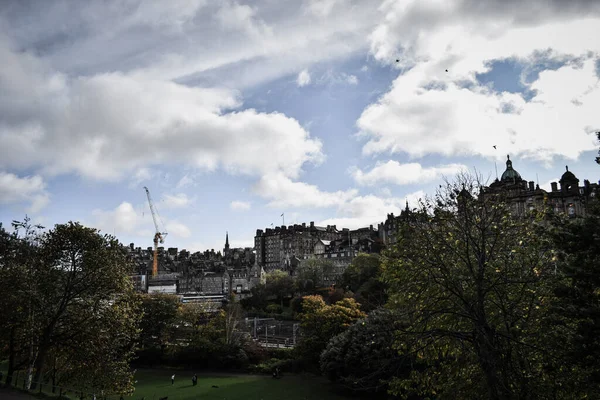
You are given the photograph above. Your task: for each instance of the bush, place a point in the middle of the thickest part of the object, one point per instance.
(267, 367)
(274, 309)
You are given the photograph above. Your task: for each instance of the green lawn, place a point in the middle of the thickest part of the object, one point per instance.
(153, 384)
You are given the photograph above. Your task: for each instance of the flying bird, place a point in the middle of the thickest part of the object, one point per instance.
(494, 146)
(397, 60)
(446, 70)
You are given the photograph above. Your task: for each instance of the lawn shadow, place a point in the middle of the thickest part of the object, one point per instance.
(185, 387)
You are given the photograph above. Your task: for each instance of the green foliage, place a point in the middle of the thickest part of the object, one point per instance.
(279, 284)
(160, 313)
(321, 322)
(363, 278)
(573, 322)
(258, 299)
(78, 318)
(311, 273)
(472, 283)
(362, 358)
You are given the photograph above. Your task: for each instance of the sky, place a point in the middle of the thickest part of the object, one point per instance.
(233, 113)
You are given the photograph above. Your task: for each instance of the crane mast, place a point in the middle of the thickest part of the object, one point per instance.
(158, 235)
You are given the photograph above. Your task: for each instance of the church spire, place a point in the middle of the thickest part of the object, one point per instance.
(226, 241)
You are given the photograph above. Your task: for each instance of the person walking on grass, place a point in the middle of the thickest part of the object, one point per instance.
(194, 380)
(173, 379)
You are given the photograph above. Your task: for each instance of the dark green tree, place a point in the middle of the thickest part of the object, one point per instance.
(85, 308)
(363, 358)
(574, 317)
(280, 284)
(363, 278)
(472, 283)
(160, 314)
(321, 322)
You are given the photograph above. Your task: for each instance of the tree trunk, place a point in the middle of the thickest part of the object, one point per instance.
(40, 361)
(489, 361)
(11, 357)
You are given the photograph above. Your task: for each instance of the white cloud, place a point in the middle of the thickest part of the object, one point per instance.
(237, 205)
(303, 78)
(51, 121)
(283, 192)
(404, 174)
(29, 189)
(124, 219)
(429, 110)
(178, 230)
(185, 181)
(461, 121)
(368, 210)
(179, 200)
(352, 79)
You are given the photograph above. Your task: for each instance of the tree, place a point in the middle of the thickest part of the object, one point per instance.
(321, 322)
(85, 308)
(363, 278)
(598, 158)
(160, 313)
(471, 281)
(280, 284)
(362, 358)
(573, 322)
(311, 274)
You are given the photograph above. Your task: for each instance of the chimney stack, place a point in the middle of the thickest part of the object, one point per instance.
(531, 183)
(554, 186)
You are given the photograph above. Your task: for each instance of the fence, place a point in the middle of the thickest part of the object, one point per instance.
(270, 332)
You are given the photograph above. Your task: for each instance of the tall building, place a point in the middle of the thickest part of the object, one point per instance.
(570, 198)
(276, 247)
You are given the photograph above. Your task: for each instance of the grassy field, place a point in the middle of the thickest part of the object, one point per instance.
(156, 383)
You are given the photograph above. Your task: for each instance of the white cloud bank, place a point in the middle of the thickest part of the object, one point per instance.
(107, 125)
(30, 190)
(404, 174)
(238, 205)
(429, 110)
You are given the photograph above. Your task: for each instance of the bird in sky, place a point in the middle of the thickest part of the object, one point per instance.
(446, 70)
(494, 146)
(397, 60)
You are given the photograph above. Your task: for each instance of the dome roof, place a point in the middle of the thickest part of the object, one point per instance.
(510, 175)
(568, 176)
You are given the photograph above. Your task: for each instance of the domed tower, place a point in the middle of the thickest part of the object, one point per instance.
(569, 182)
(510, 175)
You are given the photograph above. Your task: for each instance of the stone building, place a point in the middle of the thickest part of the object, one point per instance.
(569, 198)
(389, 228)
(276, 247)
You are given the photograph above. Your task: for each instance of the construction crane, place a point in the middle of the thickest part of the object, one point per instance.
(158, 235)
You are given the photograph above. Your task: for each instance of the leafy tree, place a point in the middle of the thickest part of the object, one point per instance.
(311, 274)
(598, 158)
(280, 284)
(321, 322)
(362, 358)
(472, 283)
(574, 318)
(85, 309)
(363, 278)
(258, 299)
(160, 313)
